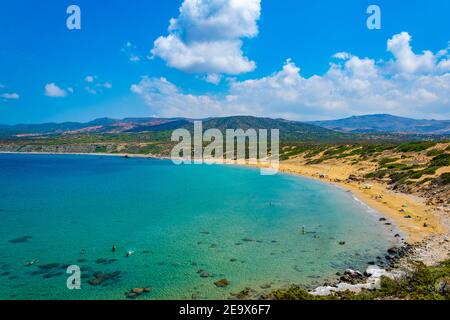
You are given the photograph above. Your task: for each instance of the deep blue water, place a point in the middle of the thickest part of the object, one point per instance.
(226, 220)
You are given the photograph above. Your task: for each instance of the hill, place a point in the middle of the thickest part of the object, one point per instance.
(385, 123)
(289, 130)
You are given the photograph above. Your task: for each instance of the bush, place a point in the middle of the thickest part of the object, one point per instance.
(434, 152)
(442, 160)
(416, 146)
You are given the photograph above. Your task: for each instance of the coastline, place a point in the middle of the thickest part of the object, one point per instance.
(426, 228)
(393, 206)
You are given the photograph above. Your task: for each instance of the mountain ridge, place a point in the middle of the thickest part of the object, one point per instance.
(385, 123)
(340, 128)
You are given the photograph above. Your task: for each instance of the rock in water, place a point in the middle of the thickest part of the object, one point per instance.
(352, 276)
(138, 290)
(222, 283)
(20, 239)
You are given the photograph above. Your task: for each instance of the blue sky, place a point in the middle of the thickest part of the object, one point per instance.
(113, 67)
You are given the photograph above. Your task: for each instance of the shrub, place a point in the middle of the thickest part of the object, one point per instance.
(434, 152)
(416, 146)
(441, 160)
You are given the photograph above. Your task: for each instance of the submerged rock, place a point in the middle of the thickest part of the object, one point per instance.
(244, 294)
(49, 266)
(21, 239)
(100, 278)
(222, 283)
(136, 292)
(105, 261)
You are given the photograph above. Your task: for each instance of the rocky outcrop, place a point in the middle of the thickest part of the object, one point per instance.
(372, 282)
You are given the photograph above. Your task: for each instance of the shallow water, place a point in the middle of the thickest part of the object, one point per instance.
(226, 220)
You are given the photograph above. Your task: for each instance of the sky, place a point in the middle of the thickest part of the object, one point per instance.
(294, 59)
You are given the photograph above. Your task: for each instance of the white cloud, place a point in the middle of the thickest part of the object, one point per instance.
(342, 55)
(90, 90)
(407, 62)
(410, 84)
(10, 96)
(206, 36)
(213, 78)
(130, 50)
(95, 87)
(164, 98)
(52, 90)
(106, 85)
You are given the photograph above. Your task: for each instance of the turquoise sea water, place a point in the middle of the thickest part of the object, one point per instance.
(226, 220)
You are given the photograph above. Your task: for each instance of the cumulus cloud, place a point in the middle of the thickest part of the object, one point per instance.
(89, 79)
(207, 36)
(166, 99)
(407, 62)
(53, 91)
(409, 84)
(10, 96)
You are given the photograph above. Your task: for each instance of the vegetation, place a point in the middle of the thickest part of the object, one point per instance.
(416, 146)
(422, 283)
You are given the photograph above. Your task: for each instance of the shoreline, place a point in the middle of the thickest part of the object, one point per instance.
(392, 205)
(426, 225)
